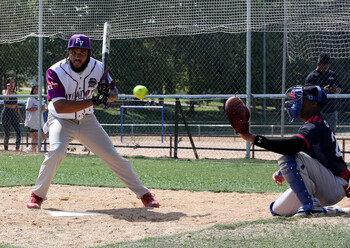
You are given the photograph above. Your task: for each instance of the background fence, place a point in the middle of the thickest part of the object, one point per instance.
(218, 48)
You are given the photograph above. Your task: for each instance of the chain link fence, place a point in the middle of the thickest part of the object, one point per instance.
(211, 63)
(150, 128)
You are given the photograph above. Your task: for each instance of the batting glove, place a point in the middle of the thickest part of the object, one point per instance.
(99, 99)
(104, 88)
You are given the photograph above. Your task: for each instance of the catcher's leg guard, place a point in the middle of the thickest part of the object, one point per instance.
(292, 175)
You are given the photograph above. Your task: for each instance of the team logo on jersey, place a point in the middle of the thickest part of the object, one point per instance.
(92, 82)
(51, 85)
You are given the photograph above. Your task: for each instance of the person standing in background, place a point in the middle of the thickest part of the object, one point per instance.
(32, 119)
(11, 116)
(328, 80)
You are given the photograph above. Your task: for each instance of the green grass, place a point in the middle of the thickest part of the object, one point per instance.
(277, 232)
(241, 175)
(244, 175)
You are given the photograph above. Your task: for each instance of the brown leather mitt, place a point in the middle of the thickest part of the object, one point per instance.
(238, 114)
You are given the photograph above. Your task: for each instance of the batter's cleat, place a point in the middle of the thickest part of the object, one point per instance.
(34, 202)
(149, 201)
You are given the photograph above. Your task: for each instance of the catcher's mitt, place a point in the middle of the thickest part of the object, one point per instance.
(238, 114)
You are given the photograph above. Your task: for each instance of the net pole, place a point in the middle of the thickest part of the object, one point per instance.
(248, 68)
(264, 62)
(40, 72)
(284, 66)
(162, 117)
(176, 135)
(121, 124)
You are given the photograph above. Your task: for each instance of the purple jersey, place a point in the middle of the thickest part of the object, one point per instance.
(322, 145)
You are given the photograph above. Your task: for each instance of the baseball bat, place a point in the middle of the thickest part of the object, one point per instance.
(105, 47)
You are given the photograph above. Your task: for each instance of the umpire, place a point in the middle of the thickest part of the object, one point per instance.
(327, 79)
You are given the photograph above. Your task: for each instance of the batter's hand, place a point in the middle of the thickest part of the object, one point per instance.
(278, 178)
(103, 88)
(100, 99)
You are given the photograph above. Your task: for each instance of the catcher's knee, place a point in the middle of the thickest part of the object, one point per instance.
(271, 209)
(290, 159)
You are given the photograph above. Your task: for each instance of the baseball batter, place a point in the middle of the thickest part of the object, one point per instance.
(309, 161)
(71, 83)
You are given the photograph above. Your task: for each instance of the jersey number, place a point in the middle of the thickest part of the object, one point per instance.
(337, 150)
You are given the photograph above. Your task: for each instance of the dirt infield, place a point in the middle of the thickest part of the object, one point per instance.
(117, 215)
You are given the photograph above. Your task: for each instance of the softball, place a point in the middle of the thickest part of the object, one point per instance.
(140, 91)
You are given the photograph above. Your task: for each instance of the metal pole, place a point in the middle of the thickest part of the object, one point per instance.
(176, 134)
(121, 124)
(188, 131)
(264, 65)
(162, 117)
(284, 66)
(248, 67)
(40, 72)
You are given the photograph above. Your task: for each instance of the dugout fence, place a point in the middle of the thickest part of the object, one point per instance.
(144, 132)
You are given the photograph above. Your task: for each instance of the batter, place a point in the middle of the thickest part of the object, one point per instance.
(71, 83)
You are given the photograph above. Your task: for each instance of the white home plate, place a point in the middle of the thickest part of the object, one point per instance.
(71, 214)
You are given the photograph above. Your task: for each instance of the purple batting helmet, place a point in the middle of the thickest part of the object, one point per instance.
(80, 41)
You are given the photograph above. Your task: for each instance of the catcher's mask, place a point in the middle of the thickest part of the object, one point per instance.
(297, 93)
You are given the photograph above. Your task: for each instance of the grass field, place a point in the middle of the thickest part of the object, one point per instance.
(244, 175)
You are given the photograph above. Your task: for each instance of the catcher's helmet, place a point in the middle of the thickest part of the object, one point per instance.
(297, 93)
(80, 41)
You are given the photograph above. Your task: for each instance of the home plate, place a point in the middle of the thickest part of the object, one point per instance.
(71, 214)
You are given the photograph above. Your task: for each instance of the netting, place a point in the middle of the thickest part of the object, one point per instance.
(19, 19)
(328, 21)
(308, 45)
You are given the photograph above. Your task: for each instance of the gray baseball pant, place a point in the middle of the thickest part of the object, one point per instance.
(91, 134)
(319, 181)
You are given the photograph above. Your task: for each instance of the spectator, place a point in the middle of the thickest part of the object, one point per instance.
(327, 79)
(11, 115)
(32, 119)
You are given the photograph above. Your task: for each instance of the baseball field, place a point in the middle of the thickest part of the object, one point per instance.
(204, 203)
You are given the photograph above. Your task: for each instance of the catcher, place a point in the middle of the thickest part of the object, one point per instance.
(310, 161)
